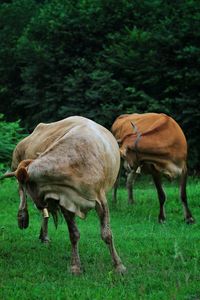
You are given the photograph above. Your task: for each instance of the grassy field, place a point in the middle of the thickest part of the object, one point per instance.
(163, 261)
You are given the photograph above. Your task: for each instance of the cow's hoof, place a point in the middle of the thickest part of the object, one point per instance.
(162, 220)
(23, 218)
(120, 269)
(76, 270)
(45, 240)
(190, 220)
(131, 202)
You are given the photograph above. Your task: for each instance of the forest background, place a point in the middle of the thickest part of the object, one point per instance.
(98, 59)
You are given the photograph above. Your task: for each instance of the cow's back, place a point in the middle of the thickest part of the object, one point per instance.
(158, 132)
(156, 138)
(43, 136)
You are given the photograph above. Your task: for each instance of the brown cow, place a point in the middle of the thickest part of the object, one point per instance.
(156, 144)
(72, 176)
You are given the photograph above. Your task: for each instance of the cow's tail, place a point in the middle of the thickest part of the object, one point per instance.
(55, 218)
(54, 209)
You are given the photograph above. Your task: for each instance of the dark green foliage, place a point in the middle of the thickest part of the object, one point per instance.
(14, 16)
(10, 134)
(100, 59)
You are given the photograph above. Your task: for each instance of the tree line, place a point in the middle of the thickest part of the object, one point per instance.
(100, 59)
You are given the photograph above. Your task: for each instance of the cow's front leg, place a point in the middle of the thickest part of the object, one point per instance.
(114, 190)
(44, 228)
(22, 216)
(74, 237)
(106, 235)
(115, 187)
(131, 176)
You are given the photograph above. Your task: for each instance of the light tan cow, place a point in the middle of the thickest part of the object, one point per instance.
(72, 175)
(43, 136)
(153, 143)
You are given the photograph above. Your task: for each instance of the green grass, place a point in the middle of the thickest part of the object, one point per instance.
(163, 261)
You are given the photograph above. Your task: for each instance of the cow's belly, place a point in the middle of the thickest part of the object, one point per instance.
(168, 169)
(72, 200)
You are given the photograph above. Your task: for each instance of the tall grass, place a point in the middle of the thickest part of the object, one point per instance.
(163, 261)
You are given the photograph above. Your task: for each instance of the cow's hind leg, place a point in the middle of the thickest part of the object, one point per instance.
(106, 234)
(183, 194)
(74, 237)
(161, 195)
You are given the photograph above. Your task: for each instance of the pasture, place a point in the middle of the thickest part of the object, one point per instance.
(163, 261)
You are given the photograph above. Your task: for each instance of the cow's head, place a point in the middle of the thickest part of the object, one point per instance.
(21, 173)
(129, 156)
(128, 147)
(22, 176)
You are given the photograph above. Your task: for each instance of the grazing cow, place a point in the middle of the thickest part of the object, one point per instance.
(72, 175)
(30, 148)
(156, 144)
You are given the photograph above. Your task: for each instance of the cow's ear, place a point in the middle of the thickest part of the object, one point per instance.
(25, 163)
(22, 175)
(123, 152)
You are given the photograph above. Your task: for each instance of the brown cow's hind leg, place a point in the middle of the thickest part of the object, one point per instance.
(183, 194)
(106, 234)
(161, 195)
(74, 237)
